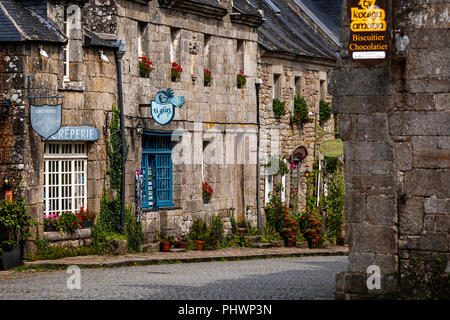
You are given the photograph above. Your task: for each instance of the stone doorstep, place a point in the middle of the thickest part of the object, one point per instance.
(186, 257)
(252, 239)
(151, 247)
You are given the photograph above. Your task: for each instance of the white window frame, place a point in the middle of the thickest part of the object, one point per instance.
(268, 188)
(66, 48)
(78, 178)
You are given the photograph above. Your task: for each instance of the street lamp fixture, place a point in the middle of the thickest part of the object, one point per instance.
(139, 129)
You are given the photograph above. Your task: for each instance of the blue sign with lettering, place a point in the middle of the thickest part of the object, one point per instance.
(163, 107)
(76, 134)
(46, 120)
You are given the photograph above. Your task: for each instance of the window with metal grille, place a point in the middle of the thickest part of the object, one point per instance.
(157, 170)
(65, 174)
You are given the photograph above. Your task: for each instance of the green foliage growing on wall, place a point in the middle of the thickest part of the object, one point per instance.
(278, 108)
(114, 151)
(109, 219)
(324, 112)
(300, 111)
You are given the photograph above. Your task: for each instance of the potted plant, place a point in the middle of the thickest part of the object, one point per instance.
(175, 71)
(199, 233)
(182, 242)
(68, 222)
(145, 67)
(14, 224)
(241, 79)
(200, 244)
(86, 218)
(207, 77)
(164, 244)
(207, 192)
(50, 222)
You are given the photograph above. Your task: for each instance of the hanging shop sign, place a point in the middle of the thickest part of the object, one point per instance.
(369, 39)
(332, 148)
(46, 120)
(76, 134)
(300, 153)
(163, 107)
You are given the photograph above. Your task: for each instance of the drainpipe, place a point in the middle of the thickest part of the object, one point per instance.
(119, 53)
(258, 184)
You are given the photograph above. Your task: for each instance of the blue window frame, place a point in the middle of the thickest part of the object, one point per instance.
(157, 169)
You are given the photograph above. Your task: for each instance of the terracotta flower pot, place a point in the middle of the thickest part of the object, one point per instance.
(200, 244)
(165, 246)
(182, 244)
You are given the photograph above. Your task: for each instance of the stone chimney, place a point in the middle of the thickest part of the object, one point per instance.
(227, 4)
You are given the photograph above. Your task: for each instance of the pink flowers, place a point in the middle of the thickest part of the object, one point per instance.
(292, 165)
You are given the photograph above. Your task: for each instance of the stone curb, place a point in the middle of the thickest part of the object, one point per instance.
(155, 261)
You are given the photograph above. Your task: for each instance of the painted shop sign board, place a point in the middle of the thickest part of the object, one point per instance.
(46, 120)
(76, 134)
(369, 43)
(163, 107)
(332, 148)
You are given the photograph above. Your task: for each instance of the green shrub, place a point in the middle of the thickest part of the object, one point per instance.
(14, 223)
(278, 108)
(47, 252)
(300, 111)
(133, 230)
(217, 229)
(199, 231)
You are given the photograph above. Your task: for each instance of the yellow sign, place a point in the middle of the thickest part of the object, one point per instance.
(369, 39)
(368, 18)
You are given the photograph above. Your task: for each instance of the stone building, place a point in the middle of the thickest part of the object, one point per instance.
(298, 42)
(68, 49)
(395, 123)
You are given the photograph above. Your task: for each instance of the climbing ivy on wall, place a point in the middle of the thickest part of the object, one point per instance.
(109, 220)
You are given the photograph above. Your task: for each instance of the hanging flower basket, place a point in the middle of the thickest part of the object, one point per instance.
(207, 77)
(241, 79)
(145, 67)
(175, 72)
(207, 192)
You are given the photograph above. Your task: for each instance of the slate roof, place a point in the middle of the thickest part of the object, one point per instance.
(327, 11)
(92, 39)
(287, 32)
(244, 7)
(18, 23)
(213, 3)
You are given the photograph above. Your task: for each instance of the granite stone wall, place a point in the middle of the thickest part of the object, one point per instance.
(278, 135)
(395, 123)
(211, 119)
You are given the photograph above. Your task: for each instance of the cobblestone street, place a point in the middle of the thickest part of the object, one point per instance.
(281, 278)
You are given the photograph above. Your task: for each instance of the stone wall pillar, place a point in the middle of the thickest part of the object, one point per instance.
(396, 131)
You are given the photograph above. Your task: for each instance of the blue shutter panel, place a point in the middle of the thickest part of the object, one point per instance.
(164, 180)
(157, 170)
